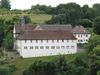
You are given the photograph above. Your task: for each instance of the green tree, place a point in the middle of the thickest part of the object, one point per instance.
(93, 42)
(57, 19)
(62, 68)
(5, 4)
(85, 9)
(96, 25)
(4, 71)
(95, 53)
(40, 67)
(97, 8)
(85, 22)
(73, 13)
(91, 14)
(95, 67)
(1, 30)
(8, 41)
(80, 67)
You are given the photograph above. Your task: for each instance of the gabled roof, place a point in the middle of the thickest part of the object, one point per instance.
(46, 35)
(79, 30)
(67, 27)
(25, 27)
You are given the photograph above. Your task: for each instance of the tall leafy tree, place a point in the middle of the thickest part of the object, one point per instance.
(96, 27)
(5, 4)
(1, 30)
(85, 22)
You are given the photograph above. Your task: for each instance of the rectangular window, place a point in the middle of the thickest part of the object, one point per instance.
(57, 47)
(72, 46)
(72, 40)
(47, 47)
(62, 40)
(78, 35)
(41, 47)
(52, 40)
(36, 41)
(52, 47)
(81, 35)
(25, 41)
(31, 41)
(36, 47)
(62, 47)
(41, 41)
(31, 47)
(67, 47)
(25, 47)
(67, 40)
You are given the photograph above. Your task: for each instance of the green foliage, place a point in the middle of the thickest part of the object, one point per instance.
(1, 30)
(80, 66)
(95, 53)
(4, 71)
(98, 73)
(40, 67)
(85, 22)
(57, 19)
(96, 27)
(67, 13)
(8, 41)
(7, 70)
(27, 19)
(60, 66)
(85, 8)
(5, 4)
(95, 67)
(93, 42)
(12, 67)
(42, 9)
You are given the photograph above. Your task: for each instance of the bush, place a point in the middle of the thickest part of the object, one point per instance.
(12, 67)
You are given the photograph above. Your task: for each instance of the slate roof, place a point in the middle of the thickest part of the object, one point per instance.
(21, 28)
(80, 30)
(46, 35)
(67, 27)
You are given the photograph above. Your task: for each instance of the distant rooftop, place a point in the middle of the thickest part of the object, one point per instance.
(80, 30)
(67, 27)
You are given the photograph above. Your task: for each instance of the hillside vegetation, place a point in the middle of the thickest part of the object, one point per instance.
(35, 18)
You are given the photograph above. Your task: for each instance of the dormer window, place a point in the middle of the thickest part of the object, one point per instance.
(25, 41)
(86, 35)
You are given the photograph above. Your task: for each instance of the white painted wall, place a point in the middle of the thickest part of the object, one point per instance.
(25, 53)
(14, 32)
(82, 38)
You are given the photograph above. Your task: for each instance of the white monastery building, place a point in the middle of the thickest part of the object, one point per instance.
(47, 40)
(81, 34)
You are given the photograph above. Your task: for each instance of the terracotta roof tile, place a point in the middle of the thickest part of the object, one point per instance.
(80, 30)
(46, 35)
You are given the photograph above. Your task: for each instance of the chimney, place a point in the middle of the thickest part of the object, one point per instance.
(22, 20)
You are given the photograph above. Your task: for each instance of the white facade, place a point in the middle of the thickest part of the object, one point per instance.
(37, 48)
(82, 38)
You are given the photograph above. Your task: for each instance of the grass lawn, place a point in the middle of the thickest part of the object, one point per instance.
(23, 64)
(39, 18)
(36, 18)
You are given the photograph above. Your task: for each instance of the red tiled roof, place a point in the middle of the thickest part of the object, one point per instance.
(79, 30)
(46, 35)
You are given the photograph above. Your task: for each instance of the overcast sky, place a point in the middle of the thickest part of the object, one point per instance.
(26, 4)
